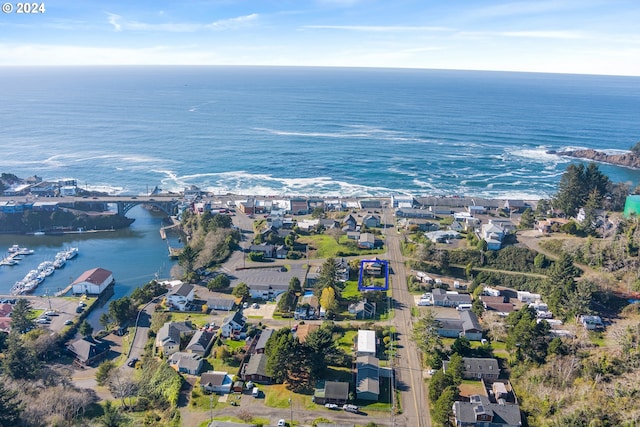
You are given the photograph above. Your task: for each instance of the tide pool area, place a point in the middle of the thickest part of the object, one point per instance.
(135, 255)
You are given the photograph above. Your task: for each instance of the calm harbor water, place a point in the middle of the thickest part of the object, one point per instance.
(134, 255)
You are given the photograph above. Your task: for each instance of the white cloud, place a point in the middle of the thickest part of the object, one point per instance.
(379, 28)
(119, 24)
(533, 34)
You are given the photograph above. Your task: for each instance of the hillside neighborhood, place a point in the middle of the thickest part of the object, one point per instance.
(374, 311)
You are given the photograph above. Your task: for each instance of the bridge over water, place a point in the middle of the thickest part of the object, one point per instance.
(166, 204)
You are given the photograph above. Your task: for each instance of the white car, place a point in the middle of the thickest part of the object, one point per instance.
(331, 406)
(282, 422)
(424, 302)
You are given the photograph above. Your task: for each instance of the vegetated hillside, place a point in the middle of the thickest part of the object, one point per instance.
(583, 383)
(210, 236)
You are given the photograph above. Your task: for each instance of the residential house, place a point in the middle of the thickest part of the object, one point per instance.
(349, 223)
(216, 382)
(493, 235)
(308, 307)
(515, 205)
(477, 368)
(200, 342)
(247, 206)
(266, 249)
(402, 201)
(528, 297)
(88, 352)
(267, 292)
(444, 298)
(170, 335)
(222, 304)
(476, 210)
(367, 378)
(186, 363)
(299, 206)
(367, 241)
(550, 224)
(591, 323)
(505, 224)
(366, 343)
(466, 326)
(363, 309)
(353, 235)
(180, 296)
(369, 204)
(442, 236)
(371, 221)
(93, 282)
(262, 341)
(281, 252)
(268, 233)
(308, 224)
(233, 324)
(414, 213)
(328, 223)
(481, 412)
(256, 369)
(373, 268)
(332, 392)
(342, 269)
(421, 224)
(496, 303)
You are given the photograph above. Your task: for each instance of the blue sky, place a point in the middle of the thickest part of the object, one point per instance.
(565, 36)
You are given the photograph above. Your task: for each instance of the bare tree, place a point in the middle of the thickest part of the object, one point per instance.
(122, 386)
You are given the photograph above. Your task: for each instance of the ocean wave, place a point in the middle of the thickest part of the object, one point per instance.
(539, 154)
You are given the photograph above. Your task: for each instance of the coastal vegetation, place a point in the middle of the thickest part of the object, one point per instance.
(210, 239)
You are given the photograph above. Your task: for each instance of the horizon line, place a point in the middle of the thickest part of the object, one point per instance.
(3, 66)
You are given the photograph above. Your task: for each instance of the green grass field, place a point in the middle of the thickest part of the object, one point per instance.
(326, 246)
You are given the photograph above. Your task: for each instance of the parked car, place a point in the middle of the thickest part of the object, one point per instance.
(331, 406)
(282, 422)
(350, 408)
(50, 313)
(43, 321)
(68, 322)
(132, 363)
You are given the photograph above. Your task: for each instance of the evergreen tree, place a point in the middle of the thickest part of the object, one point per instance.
(321, 345)
(241, 291)
(187, 258)
(20, 361)
(571, 190)
(85, 329)
(527, 219)
(426, 337)
(21, 317)
(10, 407)
(455, 368)
(280, 351)
(443, 407)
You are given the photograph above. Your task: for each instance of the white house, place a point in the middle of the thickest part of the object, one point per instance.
(180, 296)
(186, 363)
(493, 235)
(527, 297)
(366, 344)
(170, 335)
(232, 324)
(93, 282)
(216, 382)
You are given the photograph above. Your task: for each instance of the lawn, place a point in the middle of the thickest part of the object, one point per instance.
(198, 319)
(327, 247)
(277, 396)
(233, 344)
(350, 289)
(471, 387)
(346, 342)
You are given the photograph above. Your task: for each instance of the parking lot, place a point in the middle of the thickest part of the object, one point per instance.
(64, 309)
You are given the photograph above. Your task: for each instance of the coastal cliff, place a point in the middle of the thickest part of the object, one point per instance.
(629, 160)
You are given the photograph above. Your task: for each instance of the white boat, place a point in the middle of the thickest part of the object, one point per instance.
(16, 249)
(8, 261)
(71, 252)
(59, 262)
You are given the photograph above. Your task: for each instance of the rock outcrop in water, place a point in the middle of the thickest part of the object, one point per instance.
(629, 160)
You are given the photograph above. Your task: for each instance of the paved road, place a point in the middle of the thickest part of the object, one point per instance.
(408, 367)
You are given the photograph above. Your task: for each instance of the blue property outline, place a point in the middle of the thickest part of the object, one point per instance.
(386, 276)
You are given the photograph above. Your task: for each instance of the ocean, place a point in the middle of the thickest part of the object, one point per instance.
(311, 131)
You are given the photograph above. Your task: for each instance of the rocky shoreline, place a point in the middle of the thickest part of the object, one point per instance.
(628, 160)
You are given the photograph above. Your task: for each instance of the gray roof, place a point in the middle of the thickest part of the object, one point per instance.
(171, 331)
(182, 290)
(477, 365)
(335, 390)
(200, 342)
(502, 415)
(213, 378)
(264, 337)
(190, 361)
(257, 365)
(236, 317)
(468, 322)
(225, 303)
(442, 295)
(85, 349)
(367, 375)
